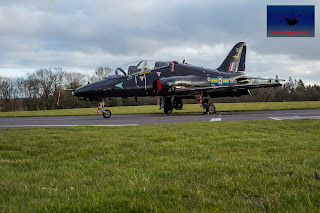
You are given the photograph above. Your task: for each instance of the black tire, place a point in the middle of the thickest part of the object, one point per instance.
(106, 114)
(167, 106)
(177, 103)
(211, 109)
(167, 111)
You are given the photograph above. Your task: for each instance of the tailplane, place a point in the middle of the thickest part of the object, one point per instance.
(236, 59)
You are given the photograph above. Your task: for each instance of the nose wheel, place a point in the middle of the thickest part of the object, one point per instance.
(105, 112)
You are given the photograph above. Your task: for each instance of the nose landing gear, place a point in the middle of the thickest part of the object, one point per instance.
(105, 112)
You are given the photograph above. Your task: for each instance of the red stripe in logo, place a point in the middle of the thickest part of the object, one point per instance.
(231, 66)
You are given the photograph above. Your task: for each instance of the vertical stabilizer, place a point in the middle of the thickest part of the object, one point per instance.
(236, 59)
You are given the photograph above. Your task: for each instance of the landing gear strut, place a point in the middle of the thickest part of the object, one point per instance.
(105, 112)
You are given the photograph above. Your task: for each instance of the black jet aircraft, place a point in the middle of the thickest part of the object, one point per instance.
(173, 81)
(293, 20)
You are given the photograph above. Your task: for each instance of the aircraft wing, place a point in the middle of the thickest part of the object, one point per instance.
(213, 89)
(259, 78)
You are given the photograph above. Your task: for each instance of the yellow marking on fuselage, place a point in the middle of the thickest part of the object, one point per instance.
(144, 72)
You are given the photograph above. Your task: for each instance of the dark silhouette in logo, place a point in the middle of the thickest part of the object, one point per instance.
(293, 20)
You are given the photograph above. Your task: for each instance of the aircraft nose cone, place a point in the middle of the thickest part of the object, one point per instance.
(80, 91)
(76, 92)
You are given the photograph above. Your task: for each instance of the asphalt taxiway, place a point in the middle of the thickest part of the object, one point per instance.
(143, 119)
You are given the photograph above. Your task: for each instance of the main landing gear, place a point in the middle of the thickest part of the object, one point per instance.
(210, 107)
(169, 103)
(105, 112)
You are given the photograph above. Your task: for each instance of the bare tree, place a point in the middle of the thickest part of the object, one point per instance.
(74, 80)
(100, 72)
(9, 94)
(40, 88)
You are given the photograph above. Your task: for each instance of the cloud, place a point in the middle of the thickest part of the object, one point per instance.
(81, 35)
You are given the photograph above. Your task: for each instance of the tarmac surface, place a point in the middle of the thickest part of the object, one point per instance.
(142, 119)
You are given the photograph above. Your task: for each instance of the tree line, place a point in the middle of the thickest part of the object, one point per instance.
(40, 90)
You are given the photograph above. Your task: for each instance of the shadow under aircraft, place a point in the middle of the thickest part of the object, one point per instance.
(173, 81)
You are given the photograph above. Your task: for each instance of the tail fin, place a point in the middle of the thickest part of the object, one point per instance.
(236, 59)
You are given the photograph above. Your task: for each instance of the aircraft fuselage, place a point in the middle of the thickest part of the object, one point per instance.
(156, 82)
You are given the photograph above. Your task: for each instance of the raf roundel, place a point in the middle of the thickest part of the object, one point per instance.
(219, 80)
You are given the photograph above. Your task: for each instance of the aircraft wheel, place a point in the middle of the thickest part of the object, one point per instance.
(211, 109)
(167, 106)
(168, 111)
(106, 114)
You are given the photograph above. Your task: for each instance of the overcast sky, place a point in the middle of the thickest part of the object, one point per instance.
(79, 35)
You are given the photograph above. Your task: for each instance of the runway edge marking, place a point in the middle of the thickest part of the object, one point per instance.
(216, 119)
(293, 117)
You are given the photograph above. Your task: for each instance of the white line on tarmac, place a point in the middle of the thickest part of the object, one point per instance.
(215, 119)
(294, 117)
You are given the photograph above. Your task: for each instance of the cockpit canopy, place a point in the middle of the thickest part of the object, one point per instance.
(138, 67)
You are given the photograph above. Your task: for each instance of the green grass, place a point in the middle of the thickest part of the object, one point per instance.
(249, 166)
(187, 108)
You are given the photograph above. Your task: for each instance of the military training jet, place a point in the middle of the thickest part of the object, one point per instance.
(173, 81)
(293, 20)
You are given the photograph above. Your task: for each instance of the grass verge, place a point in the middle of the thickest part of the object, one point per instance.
(187, 108)
(243, 166)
